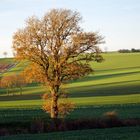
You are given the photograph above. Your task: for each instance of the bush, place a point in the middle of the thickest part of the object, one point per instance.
(111, 115)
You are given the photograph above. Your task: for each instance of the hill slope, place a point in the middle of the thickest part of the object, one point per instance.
(115, 81)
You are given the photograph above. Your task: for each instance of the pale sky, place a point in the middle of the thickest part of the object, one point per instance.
(117, 20)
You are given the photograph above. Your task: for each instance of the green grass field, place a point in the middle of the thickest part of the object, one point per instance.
(115, 81)
(126, 133)
(8, 115)
(114, 85)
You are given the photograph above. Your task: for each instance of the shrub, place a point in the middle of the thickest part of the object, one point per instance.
(111, 115)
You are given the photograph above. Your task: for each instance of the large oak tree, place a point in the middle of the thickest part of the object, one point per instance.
(58, 48)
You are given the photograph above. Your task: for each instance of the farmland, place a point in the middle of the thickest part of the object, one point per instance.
(128, 133)
(114, 81)
(114, 86)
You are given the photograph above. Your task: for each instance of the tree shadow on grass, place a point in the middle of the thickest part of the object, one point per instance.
(108, 89)
(105, 76)
(126, 68)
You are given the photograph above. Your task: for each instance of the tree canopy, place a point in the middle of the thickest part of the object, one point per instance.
(58, 49)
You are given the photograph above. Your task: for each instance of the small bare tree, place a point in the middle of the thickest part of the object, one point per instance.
(5, 54)
(58, 49)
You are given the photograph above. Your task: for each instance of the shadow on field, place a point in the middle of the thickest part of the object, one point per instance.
(42, 126)
(125, 68)
(107, 89)
(105, 76)
(22, 97)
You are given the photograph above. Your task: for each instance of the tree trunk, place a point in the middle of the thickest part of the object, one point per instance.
(20, 90)
(8, 92)
(54, 106)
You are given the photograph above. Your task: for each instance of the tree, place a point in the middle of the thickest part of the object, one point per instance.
(58, 50)
(7, 82)
(5, 54)
(12, 82)
(19, 81)
(64, 107)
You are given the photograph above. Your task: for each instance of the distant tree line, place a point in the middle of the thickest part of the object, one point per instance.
(128, 51)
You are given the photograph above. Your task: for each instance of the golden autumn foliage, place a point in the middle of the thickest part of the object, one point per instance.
(64, 106)
(13, 81)
(7, 82)
(111, 114)
(58, 50)
(33, 73)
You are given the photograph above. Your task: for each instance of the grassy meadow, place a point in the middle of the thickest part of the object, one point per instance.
(114, 86)
(115, 81)
(129, 133)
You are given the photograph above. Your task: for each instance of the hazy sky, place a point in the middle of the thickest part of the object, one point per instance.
(117, 20)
